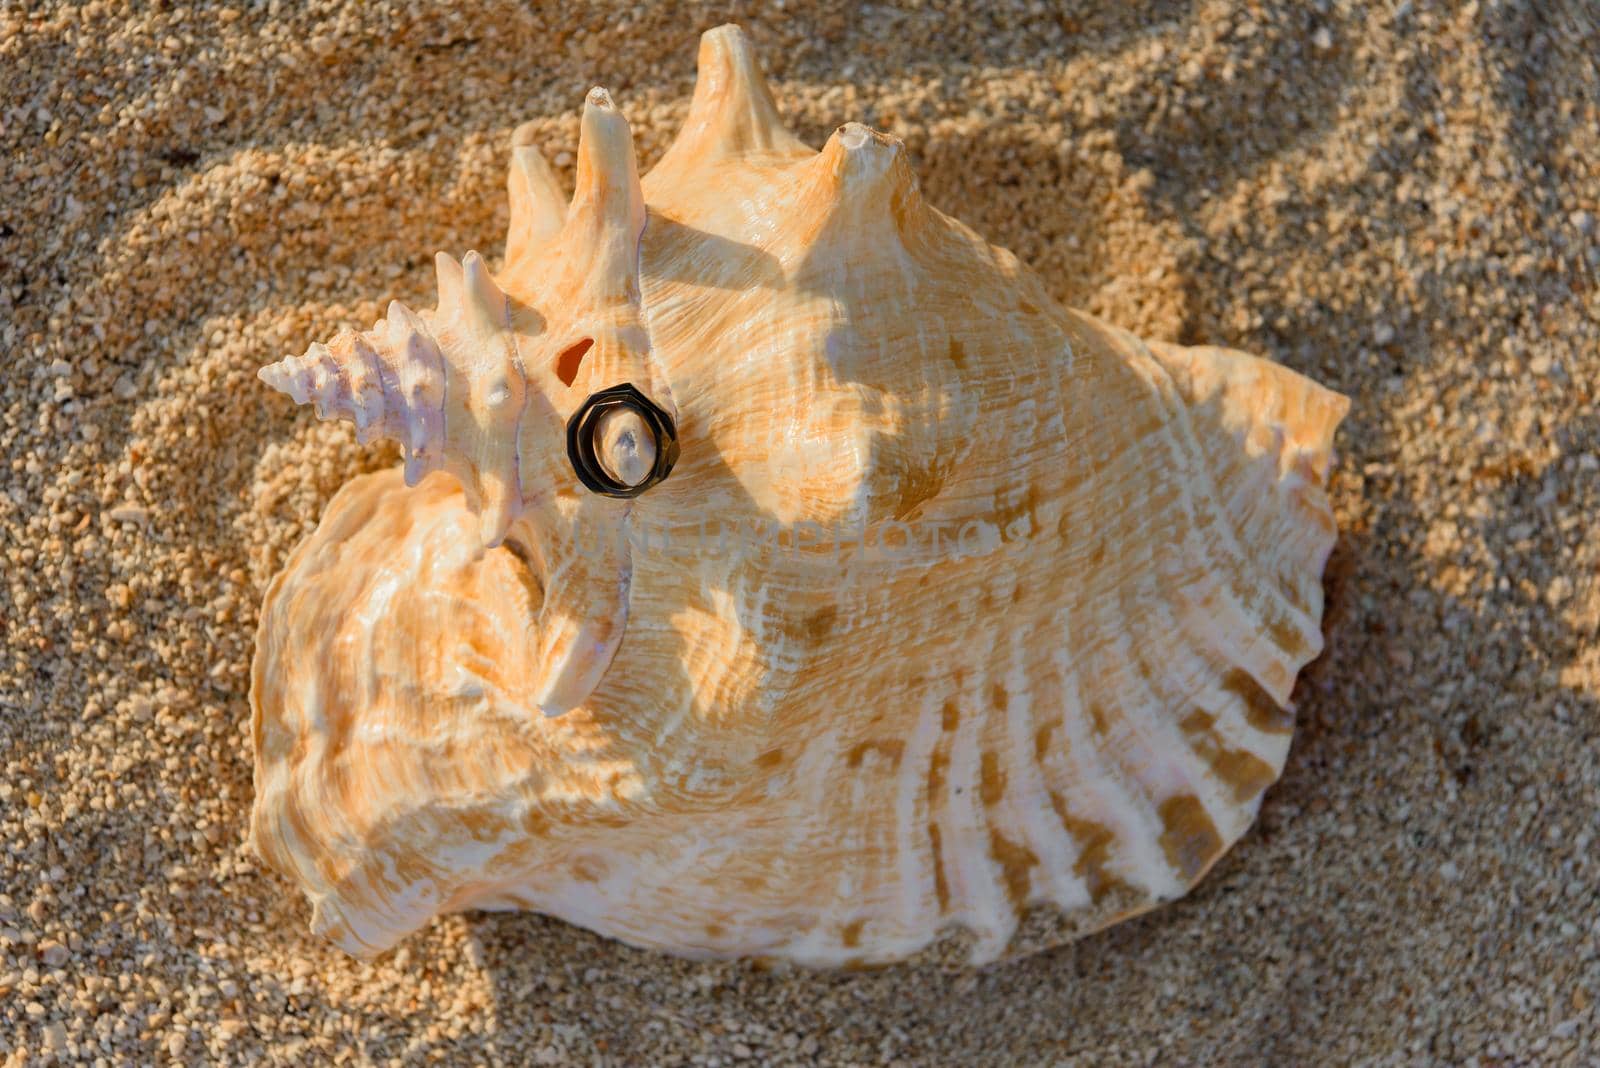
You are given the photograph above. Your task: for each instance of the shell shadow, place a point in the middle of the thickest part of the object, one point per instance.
(1181, 124)
(732, 264)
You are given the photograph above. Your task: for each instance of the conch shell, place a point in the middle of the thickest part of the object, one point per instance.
(955, 604)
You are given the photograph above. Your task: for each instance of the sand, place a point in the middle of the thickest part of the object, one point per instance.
(1399, 200)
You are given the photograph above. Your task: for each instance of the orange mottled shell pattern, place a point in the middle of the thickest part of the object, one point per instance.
(957, 605)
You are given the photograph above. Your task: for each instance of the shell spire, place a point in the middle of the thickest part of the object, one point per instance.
(733, 112)
(538, 206)
(387, 381)
(449, 387)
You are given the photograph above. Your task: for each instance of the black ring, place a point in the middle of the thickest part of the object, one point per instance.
(580, 440)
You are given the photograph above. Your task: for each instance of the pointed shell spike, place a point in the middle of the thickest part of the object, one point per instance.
(733, 112)
(484, 306)
(538, 206)
(863, 159)
(608, 172)
(863, 183)
(450, 281)
(607, 214)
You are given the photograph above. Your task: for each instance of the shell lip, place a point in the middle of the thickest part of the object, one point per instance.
(581, 440)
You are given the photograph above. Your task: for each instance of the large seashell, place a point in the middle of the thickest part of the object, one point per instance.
(957, 603)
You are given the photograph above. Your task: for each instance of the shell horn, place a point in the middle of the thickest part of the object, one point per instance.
(733, 112)
(862, 184)
(607, 213)
(538, 206)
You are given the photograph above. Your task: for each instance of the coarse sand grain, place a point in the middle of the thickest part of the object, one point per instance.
(1399, 199)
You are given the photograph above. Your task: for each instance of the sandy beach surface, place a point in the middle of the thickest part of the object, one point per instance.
(1399, 199)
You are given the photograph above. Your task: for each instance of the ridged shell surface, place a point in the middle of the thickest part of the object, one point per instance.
(956, 605)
